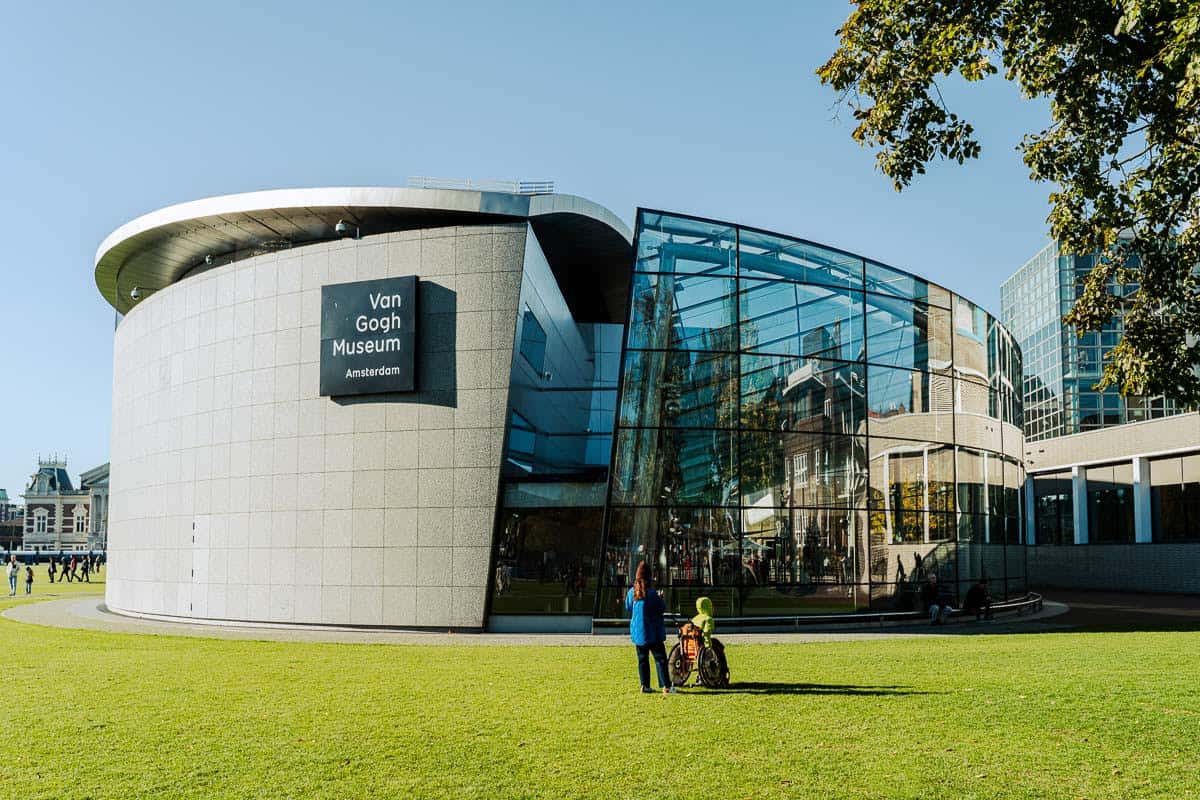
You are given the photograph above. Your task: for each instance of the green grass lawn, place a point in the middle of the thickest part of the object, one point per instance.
(1040, 716)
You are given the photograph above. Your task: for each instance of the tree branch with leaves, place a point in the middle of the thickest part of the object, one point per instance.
(1121, 151)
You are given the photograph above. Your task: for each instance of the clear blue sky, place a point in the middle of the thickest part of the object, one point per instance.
(116, 109)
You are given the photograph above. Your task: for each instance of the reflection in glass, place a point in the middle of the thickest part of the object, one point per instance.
(682, 312)
(788, 393)
(766, 255)
(1175, 498)
(546, 561)
(891, 282)
(682, 245)
(675, 466)
(802, 469)
(800, 320)
(679, 389)
(906, 404)
(902, 333)
(801, 431)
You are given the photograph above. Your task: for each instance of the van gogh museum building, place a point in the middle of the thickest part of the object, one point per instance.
(465, 408)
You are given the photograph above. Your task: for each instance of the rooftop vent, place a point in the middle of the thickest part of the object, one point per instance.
(466, 184)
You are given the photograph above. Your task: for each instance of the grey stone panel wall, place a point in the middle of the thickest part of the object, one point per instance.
(1117, 567)
(238, 493)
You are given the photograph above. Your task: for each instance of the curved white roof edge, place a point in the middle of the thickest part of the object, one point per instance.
(159, 248)
(366, 196)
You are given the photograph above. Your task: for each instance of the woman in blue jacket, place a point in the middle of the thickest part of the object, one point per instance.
(646, 628)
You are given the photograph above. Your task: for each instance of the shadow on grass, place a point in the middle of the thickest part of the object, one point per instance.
(766, 687)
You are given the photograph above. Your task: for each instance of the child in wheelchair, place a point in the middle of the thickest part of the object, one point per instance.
(698, 651)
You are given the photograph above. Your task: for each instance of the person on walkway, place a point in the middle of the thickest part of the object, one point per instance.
(979, 601)
(13, 569)
(646, 629)
(937, 606)
(28, 579)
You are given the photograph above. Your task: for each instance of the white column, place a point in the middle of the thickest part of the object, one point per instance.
(1143, 520)
(1079, 504)
(987, 515)
(1030, 528)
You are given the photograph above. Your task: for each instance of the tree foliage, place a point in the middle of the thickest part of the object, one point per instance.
(1122, 150)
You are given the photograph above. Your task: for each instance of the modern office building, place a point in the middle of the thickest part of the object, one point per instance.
(471, 409)
(1105, 470)
(1061, 368)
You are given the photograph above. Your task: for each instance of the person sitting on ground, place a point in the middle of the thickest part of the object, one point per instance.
(979, 601)
(937, 605)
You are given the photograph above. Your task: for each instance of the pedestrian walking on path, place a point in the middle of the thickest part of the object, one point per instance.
(13, 569)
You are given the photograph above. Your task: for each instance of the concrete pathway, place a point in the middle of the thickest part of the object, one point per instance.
(90, 613)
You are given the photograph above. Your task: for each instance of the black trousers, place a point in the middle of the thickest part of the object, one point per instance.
(644, 652)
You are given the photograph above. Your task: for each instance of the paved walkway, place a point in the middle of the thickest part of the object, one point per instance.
(1126, 611)
(90, 613)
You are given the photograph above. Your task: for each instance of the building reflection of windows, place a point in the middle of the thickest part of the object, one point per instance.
(799, 320)
(817, 363)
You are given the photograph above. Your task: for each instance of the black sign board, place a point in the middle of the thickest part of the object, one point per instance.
(368, 336)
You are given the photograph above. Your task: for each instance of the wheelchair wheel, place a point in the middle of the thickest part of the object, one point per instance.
(677, 667)
(712, 668)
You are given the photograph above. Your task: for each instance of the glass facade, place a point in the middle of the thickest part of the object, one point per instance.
(554, 471)
(1175, 498)
(1061, 367)
(801, 430)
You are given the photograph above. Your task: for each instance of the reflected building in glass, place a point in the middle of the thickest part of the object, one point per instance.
(800, 430)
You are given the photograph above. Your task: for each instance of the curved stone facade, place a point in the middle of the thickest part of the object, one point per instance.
(240, 494)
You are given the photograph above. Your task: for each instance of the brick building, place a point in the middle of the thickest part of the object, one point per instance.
(57, 515)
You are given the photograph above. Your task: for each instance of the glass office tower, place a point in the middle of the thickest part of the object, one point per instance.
(801, 430)
(1061, 367)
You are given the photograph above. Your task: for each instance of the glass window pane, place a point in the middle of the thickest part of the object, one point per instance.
(894, 283)
(907, 475)
(802, 469)
(901, 333)
(679, 388)
(796, 319)
(765, 255)
(1110, 504)
(788, 393)
(682, 312)
(533, 341)
(970, 340)
(546, 560)
(675, 465)
(682, 245)
(906, 404)
(682, 546)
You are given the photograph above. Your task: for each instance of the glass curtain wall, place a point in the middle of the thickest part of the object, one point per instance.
(554, 469)
(803, 431)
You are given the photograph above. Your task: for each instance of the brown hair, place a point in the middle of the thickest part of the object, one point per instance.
(641, 581)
